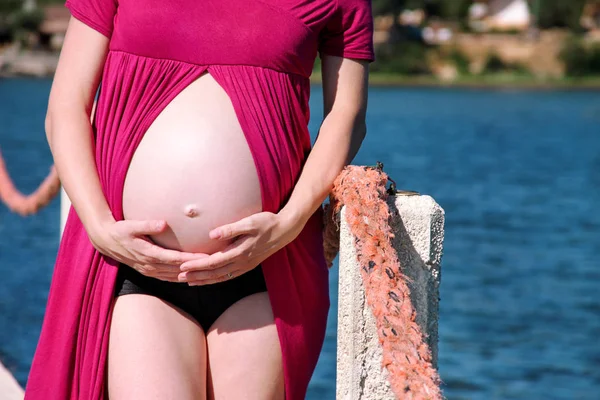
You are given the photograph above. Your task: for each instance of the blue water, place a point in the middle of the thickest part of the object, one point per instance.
(518, 174)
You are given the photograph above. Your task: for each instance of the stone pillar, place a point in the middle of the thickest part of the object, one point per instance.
(418, 224)
(9, 388)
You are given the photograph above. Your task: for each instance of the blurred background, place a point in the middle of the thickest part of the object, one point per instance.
(491, 107)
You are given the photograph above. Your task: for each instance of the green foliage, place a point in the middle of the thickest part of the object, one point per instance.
(580, 60)
(317, 65)
(460, 60)
(445, 9)
(9, 6)
(404, 57)
(552, 13)
(496, 65)
(594, 59)
(26, 20)
(454, 56)
(511, 31)
(14, 21)
(574, 56)
(560, 13)
(14, 24)
(387, 6)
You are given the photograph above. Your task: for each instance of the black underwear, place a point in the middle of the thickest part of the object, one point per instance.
(205, 303)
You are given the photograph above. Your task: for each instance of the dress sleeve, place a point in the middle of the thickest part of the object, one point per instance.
(97, 14)
(349, 31)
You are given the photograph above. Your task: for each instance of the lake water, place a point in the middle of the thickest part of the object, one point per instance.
(518, 174)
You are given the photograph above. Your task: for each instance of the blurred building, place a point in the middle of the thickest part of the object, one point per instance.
(54, 26)
(499, 15)
(590, 17)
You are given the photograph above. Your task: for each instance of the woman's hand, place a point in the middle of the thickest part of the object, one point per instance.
(126, 242)
(256, 238)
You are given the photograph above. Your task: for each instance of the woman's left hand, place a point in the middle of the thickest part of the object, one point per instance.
(256, 238)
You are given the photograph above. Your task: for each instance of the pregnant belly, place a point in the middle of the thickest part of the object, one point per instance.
(194, 169)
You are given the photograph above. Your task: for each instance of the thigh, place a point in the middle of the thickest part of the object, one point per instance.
(244, 354)
(155, 351)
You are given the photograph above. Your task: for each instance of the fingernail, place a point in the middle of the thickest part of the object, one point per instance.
(182, 277)
(215, 234)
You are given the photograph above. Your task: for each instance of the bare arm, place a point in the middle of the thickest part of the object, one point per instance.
(68, 127)
(70, 136)
(340, 136)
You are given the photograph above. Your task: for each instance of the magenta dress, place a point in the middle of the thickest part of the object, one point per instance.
(262, 53)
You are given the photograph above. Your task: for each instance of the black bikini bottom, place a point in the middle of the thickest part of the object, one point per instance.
(205, 303)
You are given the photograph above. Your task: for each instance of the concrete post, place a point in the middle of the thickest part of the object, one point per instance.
(418, 224)
(9, 388)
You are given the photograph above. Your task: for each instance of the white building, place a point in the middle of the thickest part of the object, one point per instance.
(508, 14)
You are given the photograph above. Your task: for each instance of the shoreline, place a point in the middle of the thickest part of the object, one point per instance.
(499, 82)
(485, 82)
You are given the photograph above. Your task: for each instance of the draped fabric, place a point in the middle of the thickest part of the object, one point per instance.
(151, 60)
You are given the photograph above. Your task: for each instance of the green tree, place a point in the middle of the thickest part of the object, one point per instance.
(14, 20)
(580, 59)
(446, 9)
(552, 13)
(560, 13)
(393, 7)
(9, 6)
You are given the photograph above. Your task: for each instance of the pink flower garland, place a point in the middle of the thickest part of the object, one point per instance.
(405, 354)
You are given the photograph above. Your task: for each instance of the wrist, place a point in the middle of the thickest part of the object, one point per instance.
(292, 217)
(98, 225)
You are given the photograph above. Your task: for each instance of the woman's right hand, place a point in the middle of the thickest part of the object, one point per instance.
(126, 241)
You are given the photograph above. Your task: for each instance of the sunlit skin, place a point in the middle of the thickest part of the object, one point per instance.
(179, 198)
(193, 168)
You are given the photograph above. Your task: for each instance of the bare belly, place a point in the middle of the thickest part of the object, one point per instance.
(194, 169)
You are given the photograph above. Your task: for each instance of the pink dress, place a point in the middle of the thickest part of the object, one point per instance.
(262, 53)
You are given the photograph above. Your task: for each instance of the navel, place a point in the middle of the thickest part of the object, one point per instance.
(191, 211)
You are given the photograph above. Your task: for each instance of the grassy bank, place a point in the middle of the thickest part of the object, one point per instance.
(478, 81)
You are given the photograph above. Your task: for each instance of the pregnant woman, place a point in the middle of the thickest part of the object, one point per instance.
(191, 265)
